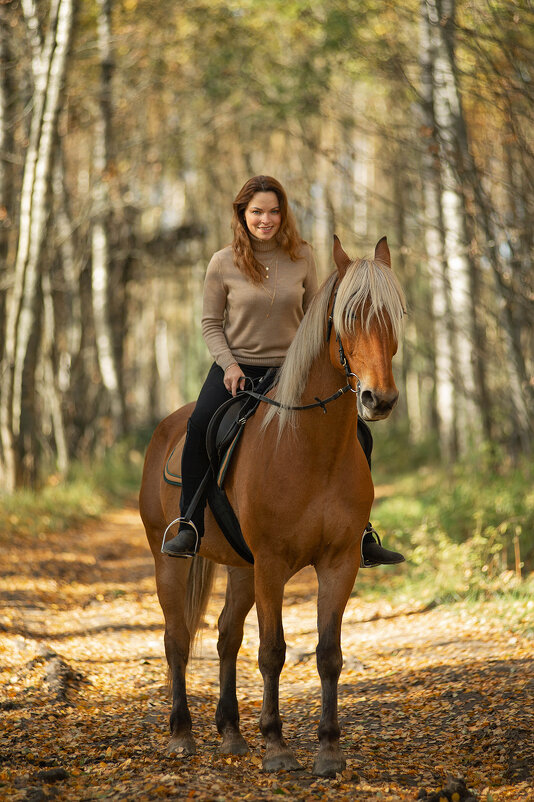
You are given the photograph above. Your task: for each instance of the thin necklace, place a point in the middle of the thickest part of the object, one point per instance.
(272, 294)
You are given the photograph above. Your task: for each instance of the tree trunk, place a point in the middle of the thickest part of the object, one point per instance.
(520, 392)
(435, 247)
(71, 269)
(51, 393)
(100, 248)
(50, 69)
(6, 177)
(494, 233)
(448, 117)
(7, 92)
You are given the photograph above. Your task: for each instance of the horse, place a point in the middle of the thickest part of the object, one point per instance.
(301, 487)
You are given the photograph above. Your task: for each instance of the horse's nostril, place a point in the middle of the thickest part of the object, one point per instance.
(368, 399)
(386, 404)
(378, 403)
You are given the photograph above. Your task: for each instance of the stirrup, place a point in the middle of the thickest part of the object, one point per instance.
(190, 523)
(369, 530)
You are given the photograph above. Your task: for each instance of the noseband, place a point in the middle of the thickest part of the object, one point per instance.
(318, 401)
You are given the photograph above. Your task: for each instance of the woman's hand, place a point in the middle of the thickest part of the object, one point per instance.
(234, 378)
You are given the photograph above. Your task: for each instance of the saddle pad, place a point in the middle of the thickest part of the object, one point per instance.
(172, 473)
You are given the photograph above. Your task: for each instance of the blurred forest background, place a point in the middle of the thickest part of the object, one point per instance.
(127, 127)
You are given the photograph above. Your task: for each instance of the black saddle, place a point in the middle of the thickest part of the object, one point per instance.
(228, 420)
(224, 429)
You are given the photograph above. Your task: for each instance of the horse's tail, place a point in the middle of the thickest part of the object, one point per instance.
(199, 584)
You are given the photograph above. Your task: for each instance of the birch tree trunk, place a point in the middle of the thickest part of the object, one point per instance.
(454, 139)
(71, 268)
(6, 172)
(435, 246)
(6, 145)
(50, 62)
(519, 387)
(448, 117)
(100, 232)
(521, 393)
(50, 390)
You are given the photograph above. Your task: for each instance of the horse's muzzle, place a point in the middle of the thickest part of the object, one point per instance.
(378, 405)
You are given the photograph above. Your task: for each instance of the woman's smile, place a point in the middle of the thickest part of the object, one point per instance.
(262, 215)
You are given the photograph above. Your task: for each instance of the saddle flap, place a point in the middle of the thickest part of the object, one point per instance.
(230, 417)
(223, 426)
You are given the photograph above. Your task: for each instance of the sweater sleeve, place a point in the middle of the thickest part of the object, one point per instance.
(310, 281)
(213, 315)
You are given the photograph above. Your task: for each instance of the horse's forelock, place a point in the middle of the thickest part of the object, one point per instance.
(369, 290)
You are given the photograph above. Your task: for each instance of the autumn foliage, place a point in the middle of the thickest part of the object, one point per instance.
(427, 695)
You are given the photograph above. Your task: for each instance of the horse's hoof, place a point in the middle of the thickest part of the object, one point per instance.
(281, 760)
(182, 746)
(328, 763)
(233, 744)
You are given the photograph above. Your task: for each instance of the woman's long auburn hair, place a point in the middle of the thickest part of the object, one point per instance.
(287, 237)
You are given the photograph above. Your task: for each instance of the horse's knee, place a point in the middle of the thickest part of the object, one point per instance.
(329, 660)
(271, 658)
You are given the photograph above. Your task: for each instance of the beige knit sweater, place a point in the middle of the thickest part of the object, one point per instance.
(250, 323)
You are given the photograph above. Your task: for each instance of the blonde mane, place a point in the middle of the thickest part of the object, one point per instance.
(368, 290)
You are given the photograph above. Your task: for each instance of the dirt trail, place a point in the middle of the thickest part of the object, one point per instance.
(423, 695)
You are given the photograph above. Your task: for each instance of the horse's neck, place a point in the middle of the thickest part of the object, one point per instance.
(341, 416)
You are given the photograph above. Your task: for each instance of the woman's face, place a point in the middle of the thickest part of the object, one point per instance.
(263, 216)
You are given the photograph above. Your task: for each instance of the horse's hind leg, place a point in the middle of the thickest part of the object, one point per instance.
(171, 581)
(336, 581)
(239, 600)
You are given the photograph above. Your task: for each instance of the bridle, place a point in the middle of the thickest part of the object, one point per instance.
(318, 401)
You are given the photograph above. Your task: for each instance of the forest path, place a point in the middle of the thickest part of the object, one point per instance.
(424, 695)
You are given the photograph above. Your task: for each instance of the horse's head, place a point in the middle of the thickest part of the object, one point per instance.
(367, 319)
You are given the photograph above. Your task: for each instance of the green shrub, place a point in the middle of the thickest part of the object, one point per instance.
(87, 492)
(466, 531)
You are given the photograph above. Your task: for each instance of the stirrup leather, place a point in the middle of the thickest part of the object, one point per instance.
(190, 523)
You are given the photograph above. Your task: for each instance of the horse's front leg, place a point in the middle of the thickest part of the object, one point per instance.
(336, 581)
(269, 583)
(239, 600)
(171, 579)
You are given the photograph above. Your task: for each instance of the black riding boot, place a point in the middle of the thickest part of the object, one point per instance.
(373, 552)
(195, 465)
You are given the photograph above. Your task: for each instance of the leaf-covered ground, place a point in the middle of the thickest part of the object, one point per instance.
(425, 695)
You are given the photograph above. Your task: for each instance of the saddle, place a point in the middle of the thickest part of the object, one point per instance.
(223, 433)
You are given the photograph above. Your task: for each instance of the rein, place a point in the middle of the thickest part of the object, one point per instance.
(318, 401)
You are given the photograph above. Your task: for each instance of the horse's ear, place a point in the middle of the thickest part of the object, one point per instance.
(340, 257)
(382, 252)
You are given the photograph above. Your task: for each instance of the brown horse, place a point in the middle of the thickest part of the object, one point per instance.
(302, 490)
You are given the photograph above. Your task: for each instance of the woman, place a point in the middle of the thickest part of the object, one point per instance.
(256, 292)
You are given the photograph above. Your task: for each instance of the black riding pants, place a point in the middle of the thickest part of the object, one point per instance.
(195, 460)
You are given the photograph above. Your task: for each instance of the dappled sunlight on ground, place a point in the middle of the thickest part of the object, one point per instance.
(424, 693)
